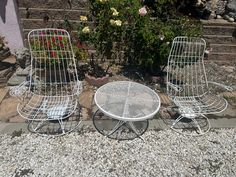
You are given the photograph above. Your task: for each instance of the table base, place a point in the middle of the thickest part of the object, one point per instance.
(117, 129)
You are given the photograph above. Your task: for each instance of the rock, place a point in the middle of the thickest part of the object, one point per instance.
(4, 53)
(8, 108)
(5, 74)
(17, 119)
(228, 18)
(230, 9)
(11, 60)
(23, 57)
(23, 72)
(16, 80)
(219, 17)
(3, 92)
(229, 69)
(220, 7)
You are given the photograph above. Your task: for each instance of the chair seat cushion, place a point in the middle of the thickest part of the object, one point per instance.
(42, 108)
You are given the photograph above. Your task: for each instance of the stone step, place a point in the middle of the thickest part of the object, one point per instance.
(219, 30)
(229, 57)
(54, 4)
(217, 22)
(223, 48)
(219, 39)
(40, 23)
(52, 14)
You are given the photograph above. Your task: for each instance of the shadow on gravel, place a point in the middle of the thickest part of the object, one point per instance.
(17, 133)
(23, 172)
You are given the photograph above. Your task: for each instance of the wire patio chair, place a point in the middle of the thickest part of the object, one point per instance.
(188, 87)
(49, 96)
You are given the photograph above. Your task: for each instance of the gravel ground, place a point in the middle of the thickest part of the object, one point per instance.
(162, 153)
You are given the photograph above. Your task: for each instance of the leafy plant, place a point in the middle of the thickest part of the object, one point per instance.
(80, 53)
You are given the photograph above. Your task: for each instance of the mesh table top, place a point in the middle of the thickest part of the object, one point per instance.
(127, 101)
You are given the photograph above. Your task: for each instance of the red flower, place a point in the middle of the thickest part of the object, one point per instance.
(60, 38)
(53, 39)
(62, 45)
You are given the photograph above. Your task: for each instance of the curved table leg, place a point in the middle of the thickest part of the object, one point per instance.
(118, 127)
(133, 128)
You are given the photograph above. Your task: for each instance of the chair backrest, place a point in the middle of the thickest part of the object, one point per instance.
(53, 67)
(186, 76)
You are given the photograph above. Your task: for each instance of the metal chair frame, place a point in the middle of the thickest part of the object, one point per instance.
(187, 84)
(51, 90)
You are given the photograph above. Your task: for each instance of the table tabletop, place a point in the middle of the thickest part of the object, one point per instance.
(127, 101)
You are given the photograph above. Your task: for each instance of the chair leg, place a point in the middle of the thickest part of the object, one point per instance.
(62, 125)
(199, 130)
(176, 121)
(39, 125)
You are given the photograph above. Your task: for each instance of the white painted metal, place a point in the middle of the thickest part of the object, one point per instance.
(127, 101)
(53, 85)
(187, 84)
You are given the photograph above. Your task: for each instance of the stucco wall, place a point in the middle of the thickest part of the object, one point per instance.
(9, 26)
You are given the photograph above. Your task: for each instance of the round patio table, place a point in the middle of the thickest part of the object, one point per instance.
(127, 102)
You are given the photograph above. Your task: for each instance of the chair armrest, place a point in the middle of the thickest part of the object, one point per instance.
(177, 88)
(228, 88)
(78, 88)
(20, 90)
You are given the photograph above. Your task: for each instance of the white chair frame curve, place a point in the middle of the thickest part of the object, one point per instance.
(52, 87)
(187, 84)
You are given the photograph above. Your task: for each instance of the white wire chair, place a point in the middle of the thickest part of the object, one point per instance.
(187, 84)
(49, 96)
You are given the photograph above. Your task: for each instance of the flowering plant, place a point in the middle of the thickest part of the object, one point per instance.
(141, 31)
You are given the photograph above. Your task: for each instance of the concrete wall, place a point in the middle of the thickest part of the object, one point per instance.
(9, 25)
